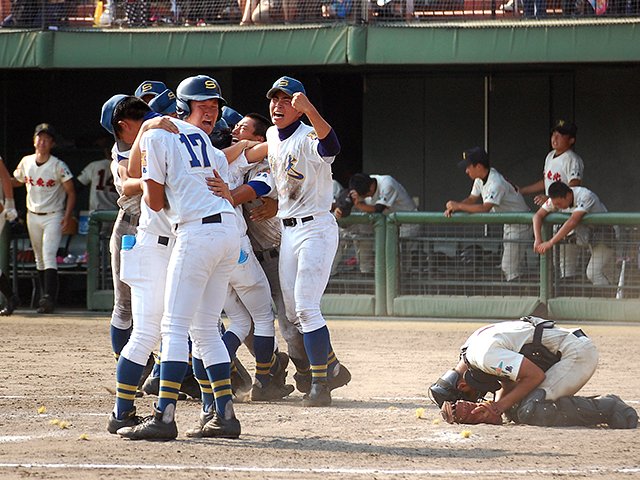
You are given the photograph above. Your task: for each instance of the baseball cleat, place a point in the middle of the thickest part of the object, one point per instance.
(339, 377)
(151, 386)
(146, 371)
(240, 381)
(271, 391)
(196, 432)
(10, 306)
(303, 381)
(130, 419)
(152, 428)
(191, 387)
(319, 396)
(219, 427)
(45, 305)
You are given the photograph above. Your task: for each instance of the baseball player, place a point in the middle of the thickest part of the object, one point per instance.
(300, 157)
(497, 194)
(149, 89)
(143, 268)
(174, 168)
(578, 201)
(264, 235)
(562, 164)
(102, 193)
(536, 369)
(51, 199)
(378, 194)
(7, 212)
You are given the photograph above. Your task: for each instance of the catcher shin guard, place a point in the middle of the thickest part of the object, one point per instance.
(575, 411)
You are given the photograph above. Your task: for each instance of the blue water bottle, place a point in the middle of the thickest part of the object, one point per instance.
(128, 241)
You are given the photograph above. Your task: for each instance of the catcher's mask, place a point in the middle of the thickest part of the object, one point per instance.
(446, 388)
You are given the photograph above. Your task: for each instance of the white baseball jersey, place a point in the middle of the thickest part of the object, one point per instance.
(302, 176)
(563, 168)
(130, 205)
(45, 193)
(390, 193)
(266, 234)
(102, 192)
(584, 200)
(181, 162)
(495, 348)
(500, 192)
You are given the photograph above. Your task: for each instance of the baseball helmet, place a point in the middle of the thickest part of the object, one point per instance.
(198, 88)
(150, 87)
(165, 103)
(230, 116)
(106, 115)
(221, 135)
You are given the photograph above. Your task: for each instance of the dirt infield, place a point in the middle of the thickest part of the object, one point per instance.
(63, 363)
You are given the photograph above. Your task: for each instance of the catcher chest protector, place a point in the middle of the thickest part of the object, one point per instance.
(536, 351)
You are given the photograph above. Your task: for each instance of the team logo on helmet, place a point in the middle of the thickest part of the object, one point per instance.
(210, 85)
(171, 96)
(283, 82)
(146, 87)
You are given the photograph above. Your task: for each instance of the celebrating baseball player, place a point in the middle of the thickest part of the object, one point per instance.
(51, 199)
(174, 168)
(536, 368)
(300, 157)
(497, 194)
(599, 238)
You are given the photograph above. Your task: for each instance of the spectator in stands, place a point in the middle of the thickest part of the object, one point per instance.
(49, 186)
(491, 192)
(599, 238)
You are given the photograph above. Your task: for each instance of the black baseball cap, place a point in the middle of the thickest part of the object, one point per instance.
(474, 156)
(565, 128)
(45, 128)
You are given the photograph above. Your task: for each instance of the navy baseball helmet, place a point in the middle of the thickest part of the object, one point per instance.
(165, 103)
(198, 88)
(230, 116)
(150, 87)
(221, 134)
(287, 85)
(106, 116)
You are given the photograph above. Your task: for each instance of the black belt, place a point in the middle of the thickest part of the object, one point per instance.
(39, 213)
(579, 333)
(273, 253)
(163, 240)
(292, 222)
(217, 218)
(130, 219)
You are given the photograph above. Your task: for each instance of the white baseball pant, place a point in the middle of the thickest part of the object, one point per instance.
(45, 233)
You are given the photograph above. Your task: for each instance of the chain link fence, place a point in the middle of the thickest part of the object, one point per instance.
(43, 14)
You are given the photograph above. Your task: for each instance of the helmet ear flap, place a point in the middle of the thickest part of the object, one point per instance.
(182, 108)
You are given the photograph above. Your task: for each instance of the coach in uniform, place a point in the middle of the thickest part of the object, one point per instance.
(497, 194)
(536, 369)
(49, 184)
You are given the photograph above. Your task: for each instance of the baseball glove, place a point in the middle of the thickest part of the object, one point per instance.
(472, 413)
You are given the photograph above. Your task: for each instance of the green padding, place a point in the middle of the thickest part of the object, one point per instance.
(464, 307)
(580, 308)
(100, 300)
(337, 304)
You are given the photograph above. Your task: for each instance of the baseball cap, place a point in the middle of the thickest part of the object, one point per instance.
(106, 116)
(230, 116)
(287, 85)
(565, 128)
(474, 156)
(45, 128)
(165, 103)
(150, 87)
